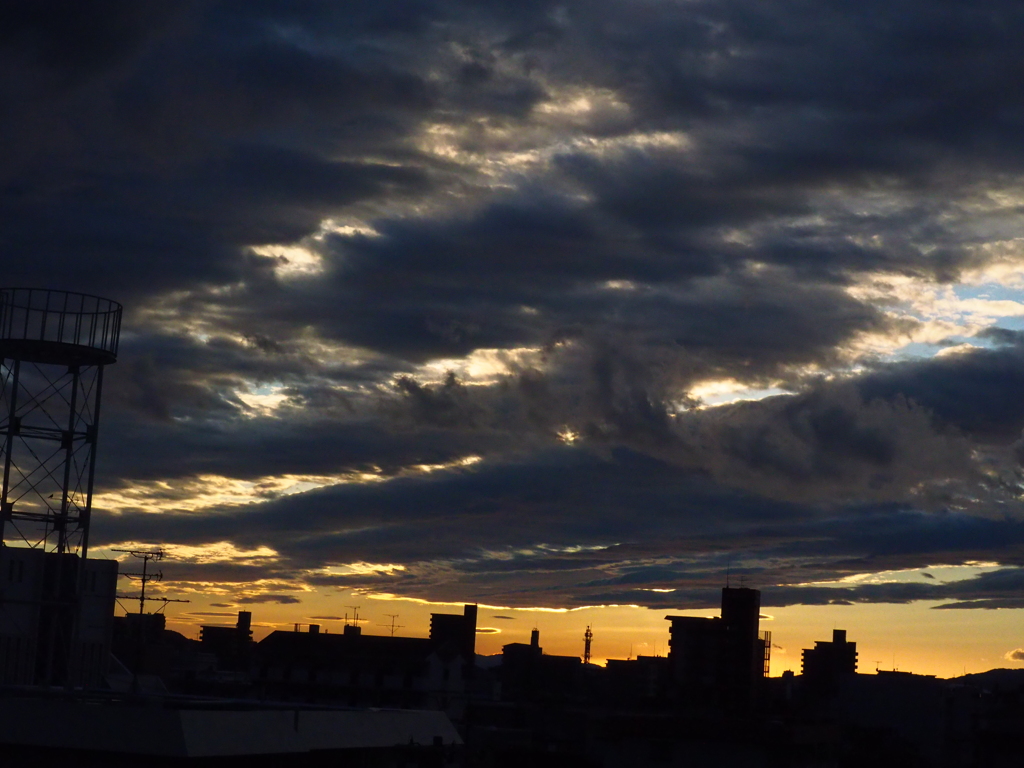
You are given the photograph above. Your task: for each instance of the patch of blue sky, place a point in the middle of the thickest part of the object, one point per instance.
(271, 388)
(990, 292)
(994, 292)
(1009, 323)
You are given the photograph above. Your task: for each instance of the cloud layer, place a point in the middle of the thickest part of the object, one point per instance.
(540, 303)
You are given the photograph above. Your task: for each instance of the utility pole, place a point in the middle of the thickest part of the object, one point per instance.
(144, 577)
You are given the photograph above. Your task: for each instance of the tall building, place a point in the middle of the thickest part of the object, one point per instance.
(458, 632)
(718, 661)
(827, 662)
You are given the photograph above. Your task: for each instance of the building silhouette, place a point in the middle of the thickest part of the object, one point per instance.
(529, 674)
(640, 683)
(827, 663)
(719, 661)
(232, 646)
(39, 643)
(455, 631)
(361, 670)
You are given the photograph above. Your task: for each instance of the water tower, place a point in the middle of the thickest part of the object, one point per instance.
(56, 606)
(54, 346)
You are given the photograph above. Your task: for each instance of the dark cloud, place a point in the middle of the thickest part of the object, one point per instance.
(996, 589)
(974, 391)
(828, 442)
(279, 599)
(74, 43)
(552, 531)
(609, 204)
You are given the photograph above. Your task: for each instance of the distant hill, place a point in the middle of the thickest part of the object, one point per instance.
(1005, 679)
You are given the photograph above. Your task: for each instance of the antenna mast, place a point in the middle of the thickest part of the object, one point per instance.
(145, 577)
(392, 626)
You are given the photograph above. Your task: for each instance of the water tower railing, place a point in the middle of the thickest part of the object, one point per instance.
(61, 317)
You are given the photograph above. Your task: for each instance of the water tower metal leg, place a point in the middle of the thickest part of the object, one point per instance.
(69, 451)
(5, 505)
(85, 515)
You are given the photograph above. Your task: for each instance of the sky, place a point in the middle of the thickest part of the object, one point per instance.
(576, 310)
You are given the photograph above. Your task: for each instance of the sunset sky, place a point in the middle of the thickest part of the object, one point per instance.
(588, 307)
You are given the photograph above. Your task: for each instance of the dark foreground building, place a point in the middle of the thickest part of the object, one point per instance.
(827, 664)
(111, 732)
(56, 617)
(361, 670)
(719, 662)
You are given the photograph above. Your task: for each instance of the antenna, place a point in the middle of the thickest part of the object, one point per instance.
(392, 625)
(587, 637)
(145, 577)
(355, 615)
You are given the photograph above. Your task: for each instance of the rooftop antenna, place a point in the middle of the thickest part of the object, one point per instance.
(145, 577)
(355, 615)
(587, 637)
(392, 625)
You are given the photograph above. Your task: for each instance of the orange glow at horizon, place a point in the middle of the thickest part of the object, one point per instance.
(912, 638)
